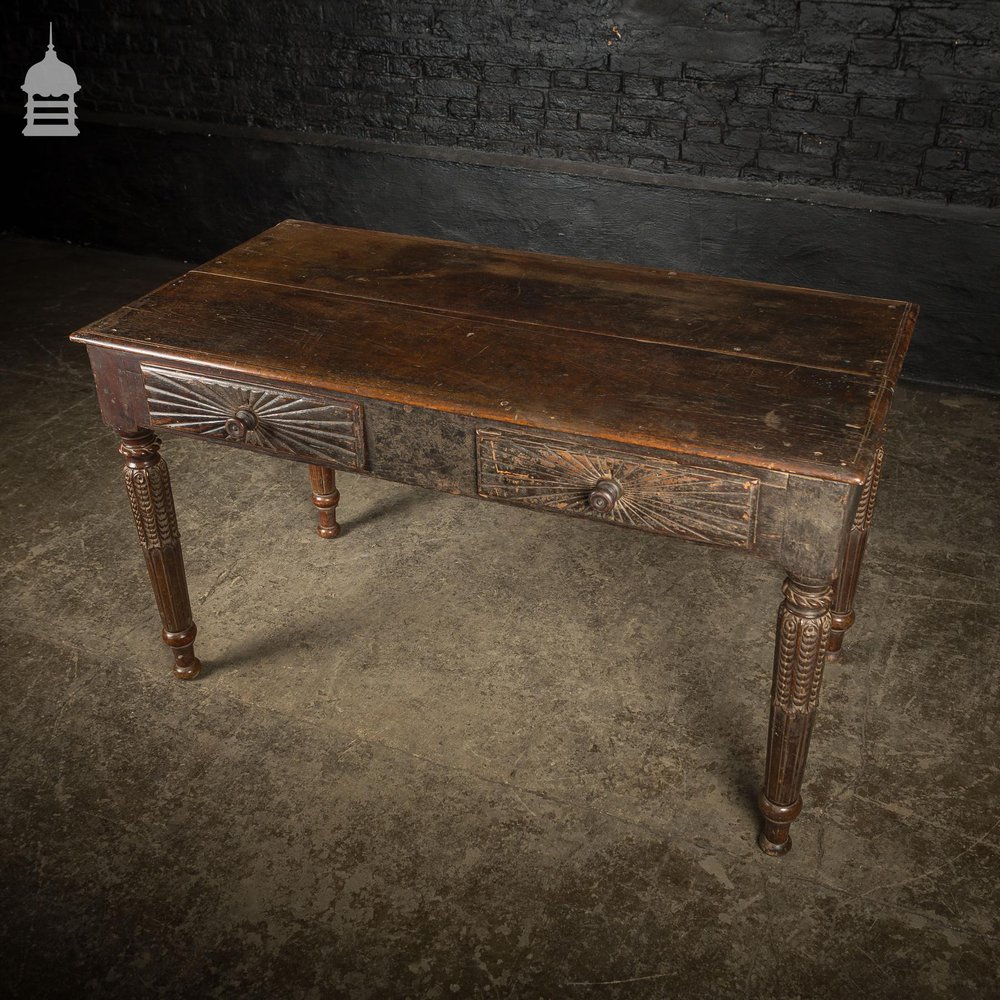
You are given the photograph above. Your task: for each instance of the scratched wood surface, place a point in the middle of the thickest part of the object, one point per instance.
(782, 378)
(846, 333)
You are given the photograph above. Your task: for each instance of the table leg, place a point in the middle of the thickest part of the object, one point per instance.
(847, 582)
(800, 649)
(147, 483)
(326, 497)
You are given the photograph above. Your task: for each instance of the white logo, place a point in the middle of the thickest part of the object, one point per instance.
(51, 88)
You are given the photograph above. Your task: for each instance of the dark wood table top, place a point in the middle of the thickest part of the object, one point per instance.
(782, 378)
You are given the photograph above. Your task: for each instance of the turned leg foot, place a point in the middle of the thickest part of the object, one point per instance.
(839, 624)
(187, 666)
(147, 483)
(325, 497)
(800, 650)
(774, 838)
(842, 617)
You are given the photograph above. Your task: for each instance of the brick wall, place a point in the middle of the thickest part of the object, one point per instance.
(885, 97)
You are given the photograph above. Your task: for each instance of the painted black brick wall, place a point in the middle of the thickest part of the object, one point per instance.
(886, 97)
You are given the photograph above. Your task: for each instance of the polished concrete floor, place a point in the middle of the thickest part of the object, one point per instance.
(465, 750)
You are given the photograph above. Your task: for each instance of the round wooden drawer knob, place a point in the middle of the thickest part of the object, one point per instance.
(604, 496)
(240, 423)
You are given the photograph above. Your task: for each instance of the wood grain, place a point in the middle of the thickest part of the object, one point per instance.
(756, 401)
(770, 322)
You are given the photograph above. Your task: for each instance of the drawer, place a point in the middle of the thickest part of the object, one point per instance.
(314, 428)
(653, 494)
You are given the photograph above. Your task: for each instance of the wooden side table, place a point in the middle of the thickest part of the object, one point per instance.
(725, 412)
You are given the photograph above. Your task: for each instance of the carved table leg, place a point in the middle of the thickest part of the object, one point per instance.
(147, 482)
(847, 581)
(800, 649)
(326, 497)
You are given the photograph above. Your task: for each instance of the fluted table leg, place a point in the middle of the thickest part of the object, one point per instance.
(800, 649)
(850, 569)
(147, 483)
(325, 497)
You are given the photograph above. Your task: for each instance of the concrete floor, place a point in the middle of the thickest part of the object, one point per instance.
(464, 750)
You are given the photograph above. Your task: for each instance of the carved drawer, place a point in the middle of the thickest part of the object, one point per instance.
(321, 428)
(666, 497)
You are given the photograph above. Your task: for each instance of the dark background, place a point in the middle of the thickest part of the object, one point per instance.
(849, 146)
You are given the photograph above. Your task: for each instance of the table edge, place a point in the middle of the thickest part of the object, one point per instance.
(851, 474)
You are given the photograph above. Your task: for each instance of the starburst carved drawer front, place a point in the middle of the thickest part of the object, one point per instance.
(286, 423)
(665, 497)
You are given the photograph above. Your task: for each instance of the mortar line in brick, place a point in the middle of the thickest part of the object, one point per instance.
(815, 195)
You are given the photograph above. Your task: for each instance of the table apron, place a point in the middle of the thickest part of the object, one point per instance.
(796, 521)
